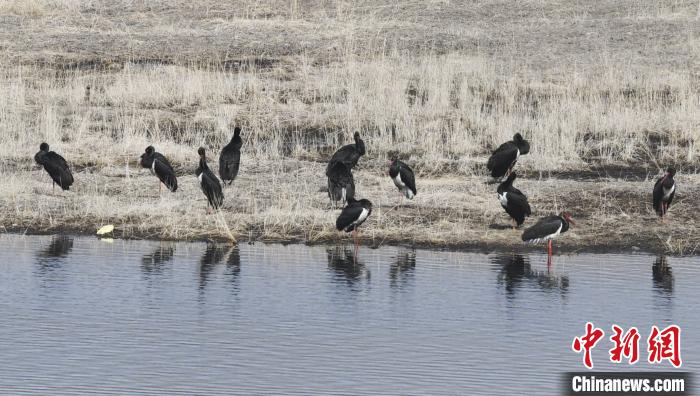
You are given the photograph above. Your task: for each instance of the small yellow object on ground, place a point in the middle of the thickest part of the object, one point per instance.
(105, 229)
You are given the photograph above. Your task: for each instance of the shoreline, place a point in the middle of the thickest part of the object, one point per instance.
(450, 212)
(472, 246)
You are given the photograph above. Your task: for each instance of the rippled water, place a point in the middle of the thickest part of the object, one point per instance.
(78, 316)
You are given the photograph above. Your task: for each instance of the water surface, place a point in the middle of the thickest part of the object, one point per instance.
(83, 316)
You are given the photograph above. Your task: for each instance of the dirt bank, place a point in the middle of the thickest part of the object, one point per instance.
(284, 201)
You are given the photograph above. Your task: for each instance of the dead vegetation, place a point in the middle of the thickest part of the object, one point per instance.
(291, 206)
(606, 93)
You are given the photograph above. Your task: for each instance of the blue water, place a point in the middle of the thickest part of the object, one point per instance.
(83, 316)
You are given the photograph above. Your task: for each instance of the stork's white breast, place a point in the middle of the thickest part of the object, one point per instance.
(504, 199)
(399, 183)
(363, 216)
(552, 236)
(669, 191)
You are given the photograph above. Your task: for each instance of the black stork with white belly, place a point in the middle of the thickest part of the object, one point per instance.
(159, 166)
(548, 228)
(403, 178)
(341, 184)
(664, 190)
(349, 154)
(513, 200)
(56, 166)
(209, 183)
(503, 160)
(230, 158)
(352, 217)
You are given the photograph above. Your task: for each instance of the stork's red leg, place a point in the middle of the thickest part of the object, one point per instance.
(354, 236)
(549, 249)
(664, 208)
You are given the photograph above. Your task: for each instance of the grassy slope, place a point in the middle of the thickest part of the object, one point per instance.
(442, 82)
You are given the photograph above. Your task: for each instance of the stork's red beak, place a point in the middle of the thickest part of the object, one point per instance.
(571, 221)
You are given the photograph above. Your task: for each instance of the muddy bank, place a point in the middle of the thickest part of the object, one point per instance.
(451, 212)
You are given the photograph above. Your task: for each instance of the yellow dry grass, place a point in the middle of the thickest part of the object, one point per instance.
(442, 82)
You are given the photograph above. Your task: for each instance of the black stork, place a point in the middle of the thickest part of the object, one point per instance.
(348, 154)
(503, 160)
(230, 158)
(548, 228)
(341, 185)
(159, 166)
(513, 200)
(55, 165)
(403, 178)
(209, 183)
(353, 215)
(664, 190)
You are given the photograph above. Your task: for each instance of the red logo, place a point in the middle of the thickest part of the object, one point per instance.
(587, 342)
(665, 345)
(662, 345)
(627, 346)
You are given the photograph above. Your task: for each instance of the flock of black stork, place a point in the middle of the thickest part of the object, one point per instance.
(341, 183)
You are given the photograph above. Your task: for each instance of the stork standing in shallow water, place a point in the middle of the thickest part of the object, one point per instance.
(664, 190)
(548, 228)
(209, 182)
(352, 216)
(403, 178)
(230, 158)
(56, 166)
(513, 200)
(506, 155)
(159, 166)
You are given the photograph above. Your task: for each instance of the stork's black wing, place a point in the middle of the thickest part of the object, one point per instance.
(160, 157)
(658, 195)
(212, 189)
(502, 159)
(544, 227)
(519, 201)
(407, 177)
(165, 173)
(349, 214)
(347, 155)
(229, 162)
(339, 178)
(58, 169)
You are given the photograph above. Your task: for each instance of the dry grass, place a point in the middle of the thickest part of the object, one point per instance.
(446, 111)
(448, 211)
(442, 82)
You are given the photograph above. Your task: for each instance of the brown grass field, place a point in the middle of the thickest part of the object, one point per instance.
(607, 93)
